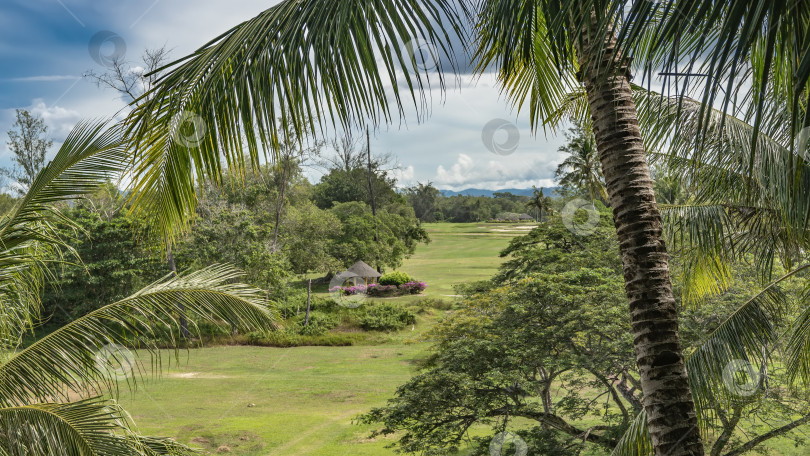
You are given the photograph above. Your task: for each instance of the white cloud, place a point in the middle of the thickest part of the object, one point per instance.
(404, 176)
(58, 119)
(493, 174)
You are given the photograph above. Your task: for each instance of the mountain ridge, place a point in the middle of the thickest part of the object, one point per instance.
(548, 191)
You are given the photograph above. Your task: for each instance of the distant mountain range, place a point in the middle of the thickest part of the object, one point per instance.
(548, 191)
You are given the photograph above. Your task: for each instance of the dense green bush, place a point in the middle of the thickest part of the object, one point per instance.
(319, 323)
(291, 339)
(395, 278)
(427, 305)
(386, 317)
(117, 260)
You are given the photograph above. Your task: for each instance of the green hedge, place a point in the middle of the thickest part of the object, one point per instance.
(395, 278)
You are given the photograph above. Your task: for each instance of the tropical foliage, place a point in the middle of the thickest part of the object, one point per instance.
(545, 53)
(549, 336)
(581, 170)
(85, 359)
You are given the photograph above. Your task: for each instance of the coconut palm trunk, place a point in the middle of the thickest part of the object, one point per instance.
(672, 421)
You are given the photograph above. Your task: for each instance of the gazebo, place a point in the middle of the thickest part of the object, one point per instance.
(365, 272)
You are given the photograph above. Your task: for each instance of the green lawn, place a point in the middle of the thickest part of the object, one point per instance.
(304, 399)
(273, 401)
(301, 401)
(460, 252)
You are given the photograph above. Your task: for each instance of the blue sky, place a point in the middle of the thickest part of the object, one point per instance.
(44, 50)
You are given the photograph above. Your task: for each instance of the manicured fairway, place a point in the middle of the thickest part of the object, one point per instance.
(301, 401)
(460, 252)
(273, 401)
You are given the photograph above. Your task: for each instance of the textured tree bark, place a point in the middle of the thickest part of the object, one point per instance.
(671, 418)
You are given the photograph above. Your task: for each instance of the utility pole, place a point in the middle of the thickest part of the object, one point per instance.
(371, 191)
(309, 294)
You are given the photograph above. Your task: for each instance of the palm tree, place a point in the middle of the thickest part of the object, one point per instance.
(733, 213)
(540, 202)
(39, 383)
(582, 169)
(326, 62)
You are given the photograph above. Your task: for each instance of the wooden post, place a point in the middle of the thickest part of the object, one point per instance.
(309, 293)
(181, 309)
(371, 191)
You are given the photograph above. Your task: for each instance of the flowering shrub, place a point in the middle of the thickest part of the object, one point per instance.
(348, 291)
(382, 290)
(412, 287)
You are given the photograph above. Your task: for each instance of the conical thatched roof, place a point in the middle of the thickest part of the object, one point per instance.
(363, 270)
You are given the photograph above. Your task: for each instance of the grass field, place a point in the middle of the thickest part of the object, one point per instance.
(459, 253)
(252, 401)
(301, 401)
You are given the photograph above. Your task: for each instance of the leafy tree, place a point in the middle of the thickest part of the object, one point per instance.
(28, 142)
(117, 259)
(546, 338)
(399, 233)
(538, 350)
(423, 198)
(552, 247)
(341, 186)
(307, 237)
(463, 208)
(581, 170)
(234, 236)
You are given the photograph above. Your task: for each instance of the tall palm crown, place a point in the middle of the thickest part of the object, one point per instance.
(320, 63)
(582, 169)
(540, 202)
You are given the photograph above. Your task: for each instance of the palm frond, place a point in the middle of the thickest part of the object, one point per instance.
(513, 37)
(746, 336)
(91, 154)
(735, 210)
(306, 63)
(66, 361)
(636, 440)
(90, 427)
(748, 50)
(797, 345)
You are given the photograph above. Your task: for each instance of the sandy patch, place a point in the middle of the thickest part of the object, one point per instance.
(195, 375)
(514, 228)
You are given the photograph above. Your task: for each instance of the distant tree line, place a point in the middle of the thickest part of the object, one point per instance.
(430, 205)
